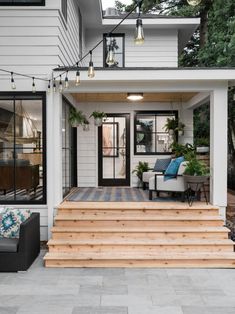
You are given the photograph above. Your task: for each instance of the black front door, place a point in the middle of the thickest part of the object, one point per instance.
(114, 151)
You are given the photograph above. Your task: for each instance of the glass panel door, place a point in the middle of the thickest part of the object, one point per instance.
(114, 151)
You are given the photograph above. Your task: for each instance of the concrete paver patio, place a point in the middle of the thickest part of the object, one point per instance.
(117, 291)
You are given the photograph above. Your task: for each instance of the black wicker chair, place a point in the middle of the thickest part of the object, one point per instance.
(19, 254)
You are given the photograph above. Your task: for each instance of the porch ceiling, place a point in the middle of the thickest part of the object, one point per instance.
(121, 97)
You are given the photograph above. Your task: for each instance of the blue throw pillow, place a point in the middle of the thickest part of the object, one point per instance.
(172, 169)
(161, 164)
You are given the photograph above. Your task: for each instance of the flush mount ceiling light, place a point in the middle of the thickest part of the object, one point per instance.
(135, 96)
(194, 2)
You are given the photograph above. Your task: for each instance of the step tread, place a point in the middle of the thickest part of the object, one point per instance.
(143, 242)
(69, 217)
(134, 205)
(142, 229)
(139, 256)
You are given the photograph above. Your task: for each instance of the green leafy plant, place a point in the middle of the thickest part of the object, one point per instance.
(202, 141)
(195, 167)
(140, 169)
(171, 124)
(76, 117)
(182, 150)
(98, 115)
(180, 126)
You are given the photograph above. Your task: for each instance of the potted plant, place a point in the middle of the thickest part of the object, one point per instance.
(202, 145)
(76, 117)
(171, 125)
(85, 124)
(140, 169)
(196, 172)
(181, 150)
(180, 128)
(98, 117)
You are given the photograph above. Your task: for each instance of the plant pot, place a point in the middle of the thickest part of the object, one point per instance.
(74, 124)
(98, 121)
(203, 149)
(180, 132)
(195, 182)
(86, 127)
(171, 132)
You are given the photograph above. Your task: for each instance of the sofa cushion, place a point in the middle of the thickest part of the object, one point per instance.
(10, 225)
(148, 175)
(174, 185)
(8, 245)
(161, 164)
(172, 169)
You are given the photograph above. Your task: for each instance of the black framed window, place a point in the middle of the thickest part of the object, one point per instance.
(22, 148)
(23, 2)
(117, 43)
(150, 137)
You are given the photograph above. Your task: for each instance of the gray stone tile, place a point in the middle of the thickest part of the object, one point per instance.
(78, 279)
(92, 289)
(48, 309)
(100, 310)
(125, 300)
(176, 300)
(8, 310)
(155, 310)
(219, 301)
(207, 310)
(150, 289)
(102, 271)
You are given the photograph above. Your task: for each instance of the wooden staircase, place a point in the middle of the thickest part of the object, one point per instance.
(135, 234)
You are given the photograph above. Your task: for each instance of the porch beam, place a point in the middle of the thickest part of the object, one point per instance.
(198, 100)
(218, 147)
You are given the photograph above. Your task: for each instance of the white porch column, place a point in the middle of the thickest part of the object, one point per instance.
(54, 155)
(218, 148)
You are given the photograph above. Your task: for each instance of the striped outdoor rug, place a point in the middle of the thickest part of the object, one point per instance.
(110, 194)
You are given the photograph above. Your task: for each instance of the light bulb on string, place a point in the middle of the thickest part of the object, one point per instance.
(110, 60)
(91, 70)
(77, 79)
(60, 85)
(194, 2)
(139, 31)
(66, 81)
(13, 85)
(49, 87)
(54, 85)
(33, 86)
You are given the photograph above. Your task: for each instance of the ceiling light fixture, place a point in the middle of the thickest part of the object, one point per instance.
(194, 2)
(135, 96)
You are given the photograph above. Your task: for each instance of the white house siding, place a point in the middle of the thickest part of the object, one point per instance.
(160, 48)
(34, 40)
(88, 141)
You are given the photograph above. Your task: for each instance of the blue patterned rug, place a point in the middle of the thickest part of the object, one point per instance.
(111, 194)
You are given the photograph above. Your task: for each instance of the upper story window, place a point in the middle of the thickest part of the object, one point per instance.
(150, 135)
(116, 44)
(22, 2)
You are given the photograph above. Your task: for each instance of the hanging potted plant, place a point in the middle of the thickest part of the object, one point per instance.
(85, 124)
(171, 125)
(98, 117)
(180, 128)
(76, 117)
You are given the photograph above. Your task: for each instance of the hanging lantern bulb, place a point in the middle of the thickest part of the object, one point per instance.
(91, 70)
(33, 87)
(194, 2)
(66, 81)
(60, 85)
(110, 60)
(54, 85)
(77, 79)
(13, 85)
(49, 87)
(139, 31)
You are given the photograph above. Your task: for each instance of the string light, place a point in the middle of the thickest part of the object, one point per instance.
(77, 79)
(60, 85)
(49, 87)
(91, 70)
(13, 85)
(66, 80)
(33, 86)
(54, 85)
(139, 32)
(110, 60)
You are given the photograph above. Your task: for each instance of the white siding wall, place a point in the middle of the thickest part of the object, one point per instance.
(34, 40)
(160, 48)
(88, 141)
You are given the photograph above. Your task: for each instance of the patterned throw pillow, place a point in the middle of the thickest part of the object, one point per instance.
(161, 164)
(10, 225)
(22, 214)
